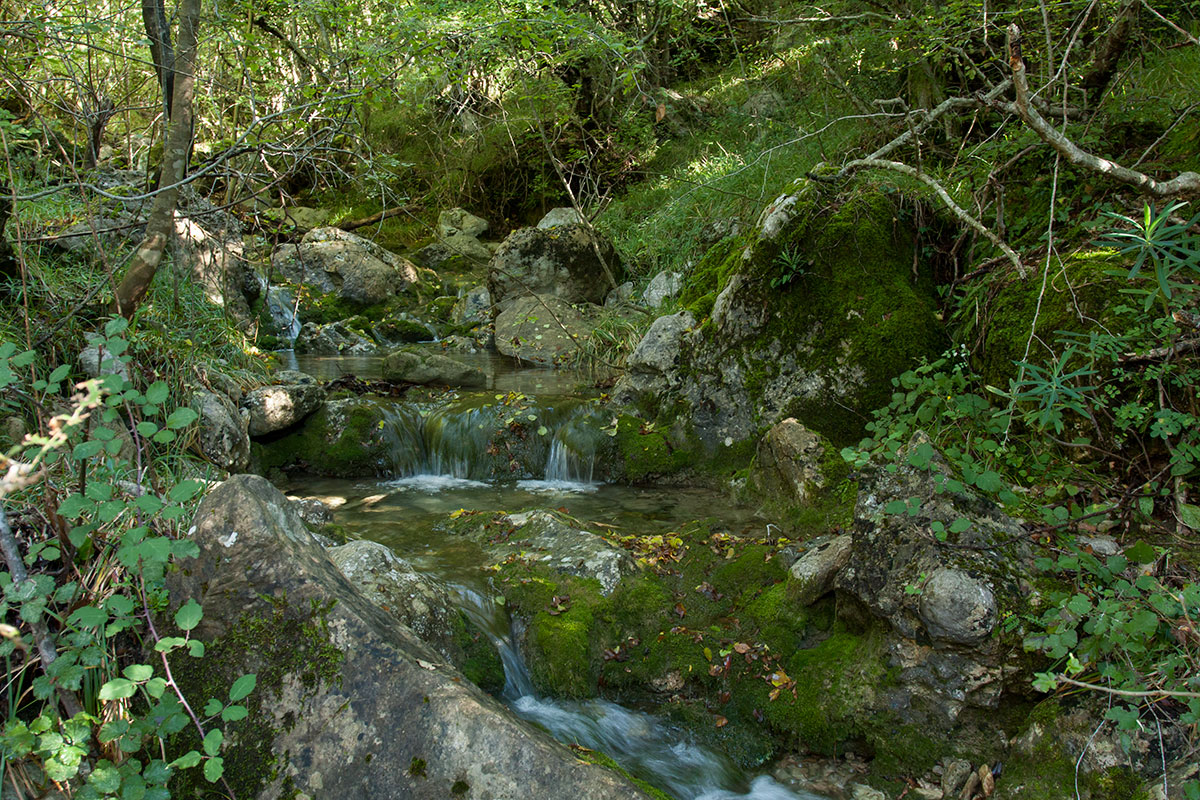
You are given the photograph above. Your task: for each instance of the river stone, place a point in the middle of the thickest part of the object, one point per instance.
(273, 408)
(349, 701)
(650, 368)
(662, 287)
(222, 436)
(333, 339)
(813, 573)
(418, 601)
(557, 217)
(423, 367)
(473, 307)
(344, 438)
(553, 539)
(619, 295)
(958, 608)
(457, 220)
(558, 261)
(312, 511)
(541, 329)
(788, 462)
(89, 362)
(334, 261)
(467, 246)
(955, 774)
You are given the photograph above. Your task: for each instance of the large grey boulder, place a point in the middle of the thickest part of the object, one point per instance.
(557, 217)
(558, 542)
(349, 702)
(333, 339)
(273, 408)
(333, 261)
(223, 438)
(458, 220)
(421, 366)
(559, 261)
(789, 462)
(662, 287)
(813, 313)
(420, 602)
(651, 367)
(935, 578)
(542, 329)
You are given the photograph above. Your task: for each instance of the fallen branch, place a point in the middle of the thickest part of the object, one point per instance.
(940, 191)
(371, 220)
(1162, 353)
(1185, 184)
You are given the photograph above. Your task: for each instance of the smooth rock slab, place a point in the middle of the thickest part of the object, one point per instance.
(380, 715)
(417, 366)
(273, 408)
(957, 607)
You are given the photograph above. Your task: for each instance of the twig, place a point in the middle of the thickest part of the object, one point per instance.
(1185, 184)
(380, 217)
(1129, 692)
(940, 191)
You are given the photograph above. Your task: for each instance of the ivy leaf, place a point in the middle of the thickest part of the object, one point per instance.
(242, 687)
(189, 615)
(214, 768)
(117, 688)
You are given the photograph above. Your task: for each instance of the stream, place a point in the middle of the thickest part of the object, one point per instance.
(439, 467)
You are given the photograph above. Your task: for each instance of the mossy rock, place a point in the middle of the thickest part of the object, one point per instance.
(813, 317)
(1077, 297)
(345, 438)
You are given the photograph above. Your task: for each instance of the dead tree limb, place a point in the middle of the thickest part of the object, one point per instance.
(940, 191)
(1185, 184)
(371, 220)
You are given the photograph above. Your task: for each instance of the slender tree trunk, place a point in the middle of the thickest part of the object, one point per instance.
(154, 17)
(160, 228)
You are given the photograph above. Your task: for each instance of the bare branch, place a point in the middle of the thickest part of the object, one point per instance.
(1185, 184)
(940, 191)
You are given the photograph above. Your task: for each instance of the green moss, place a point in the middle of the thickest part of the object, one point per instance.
(645, 452)
(710, 274)
(602, 760)
(481, 664)
(1081, 287)
(404, 330)
(285, 644)
(345, 439)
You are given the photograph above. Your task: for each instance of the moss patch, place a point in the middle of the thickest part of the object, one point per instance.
(344, 439)
(284, 644)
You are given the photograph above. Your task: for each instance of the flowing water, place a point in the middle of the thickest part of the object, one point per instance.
(441, 465)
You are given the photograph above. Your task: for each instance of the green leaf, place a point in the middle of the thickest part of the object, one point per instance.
(74, 506)
(189, 615)
(117, 688)
(88, 617)
(186, 761)
(155, 687)
(181, 418)
(86, 450)
(148, 503)
(959, 525)
(212, 741)
(234, 713)
(196, 648)
(147, 428)
(242, 687)
(138, 672)
(214, 768)
(168, 643)
(213, 707)
(115, 326)
(1190, 515)
(157, 392)
(60, 372)
(185, 490)
(1142, 553)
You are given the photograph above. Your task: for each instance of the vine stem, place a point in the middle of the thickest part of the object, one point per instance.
(170, 676)
(1128, 692)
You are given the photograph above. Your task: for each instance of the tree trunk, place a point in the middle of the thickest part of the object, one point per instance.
(160, 228)
(154, 17)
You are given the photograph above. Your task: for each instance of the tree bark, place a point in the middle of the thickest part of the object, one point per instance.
(154, 17)
(160, 228)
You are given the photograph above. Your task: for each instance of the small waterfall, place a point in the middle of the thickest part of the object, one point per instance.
(553, 442)
(282, 307)
(642, 743)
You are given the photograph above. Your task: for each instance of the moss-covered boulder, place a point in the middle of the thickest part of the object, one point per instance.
(573, 263)
(344, 438)
(348, 702)
(423, 604)
(413, 365)
(810, 316)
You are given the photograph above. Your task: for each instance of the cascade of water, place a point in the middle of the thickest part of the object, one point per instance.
(482, 442)
(282, 307)
(642, 743)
